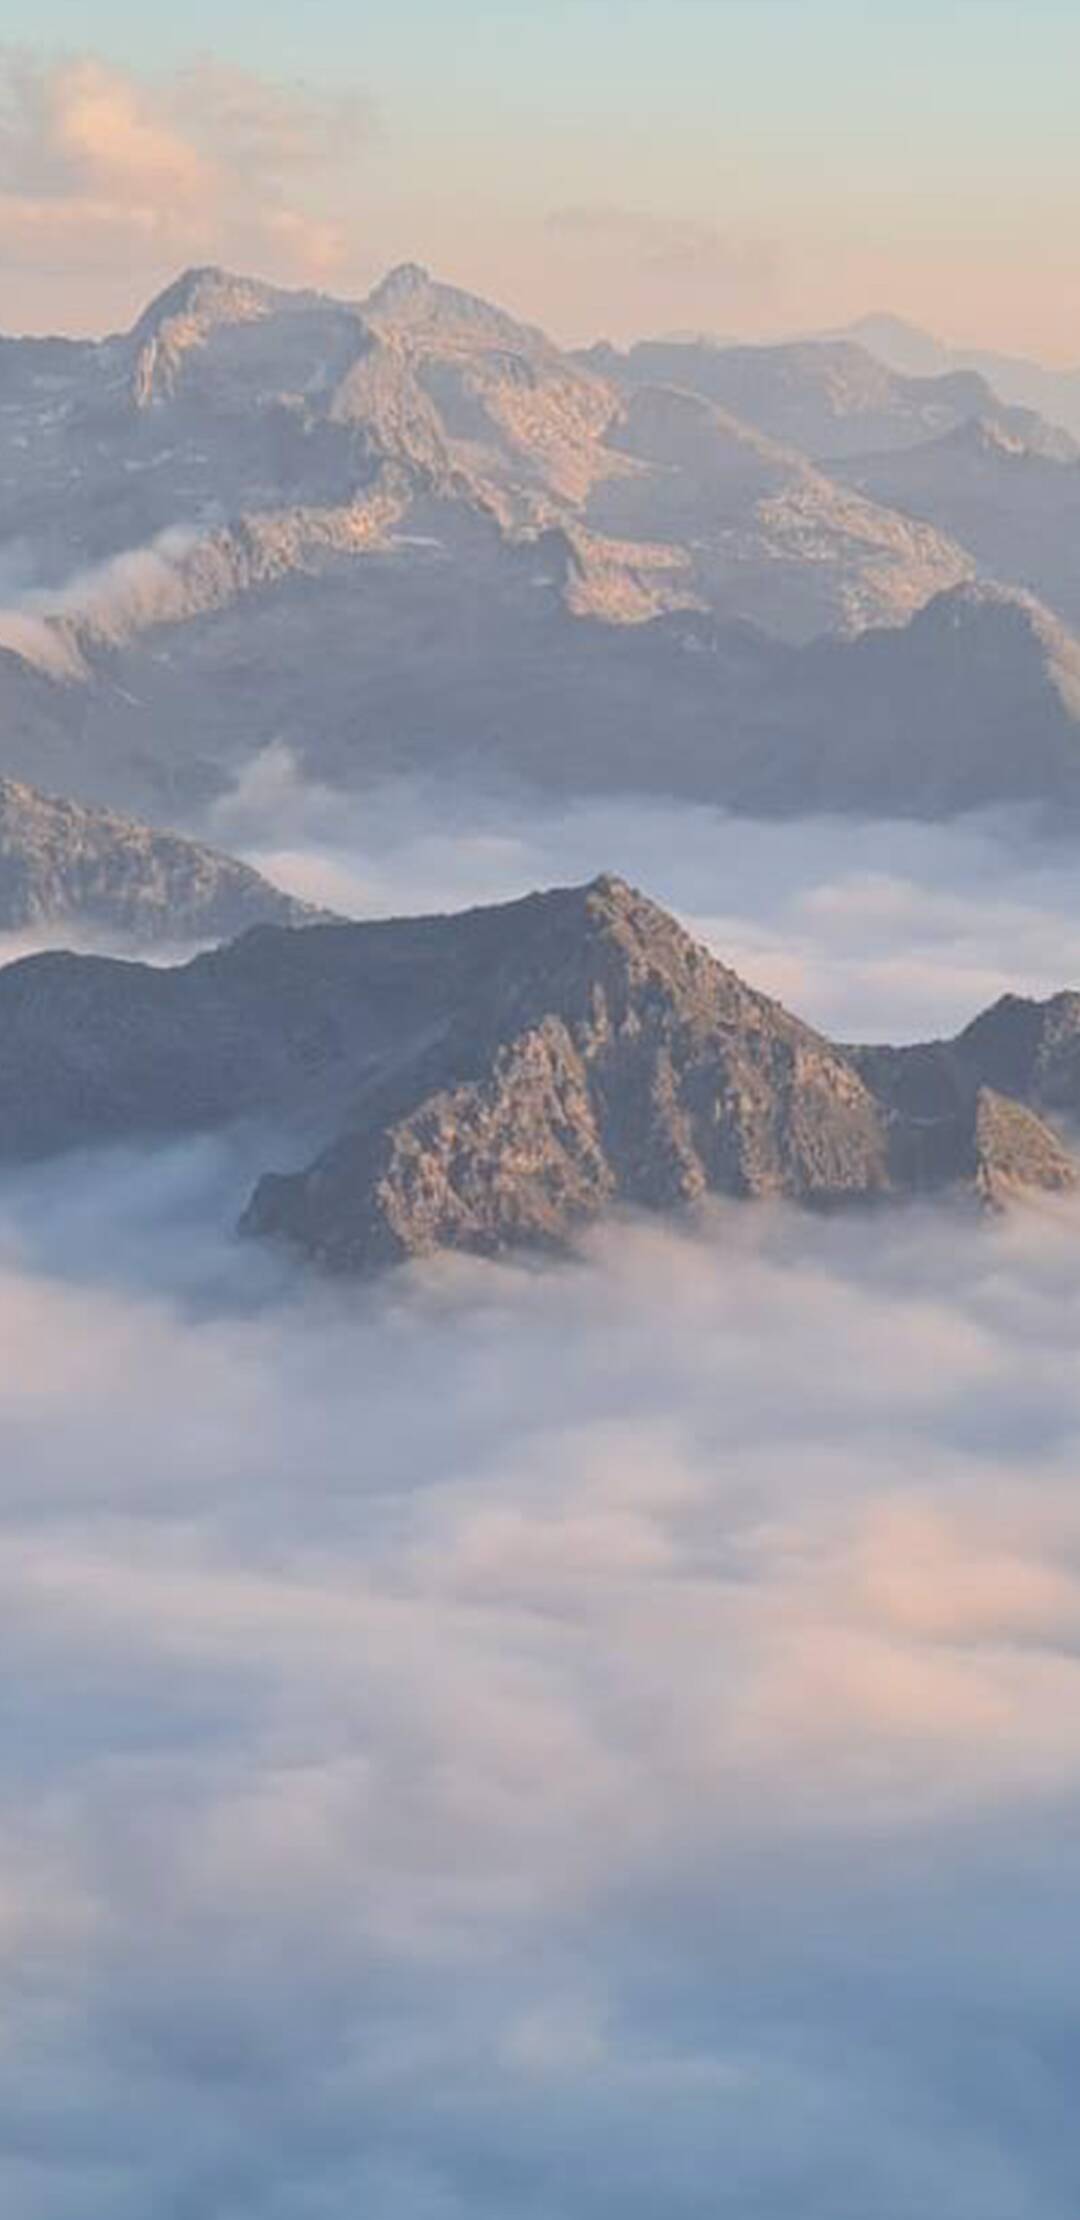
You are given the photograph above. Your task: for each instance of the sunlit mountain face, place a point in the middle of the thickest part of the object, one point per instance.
(410, 536)
(539, 1116)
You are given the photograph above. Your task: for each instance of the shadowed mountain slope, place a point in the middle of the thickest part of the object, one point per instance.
(831, 398)
(497, 1078)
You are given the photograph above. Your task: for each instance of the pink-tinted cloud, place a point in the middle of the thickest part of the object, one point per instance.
(99, 166)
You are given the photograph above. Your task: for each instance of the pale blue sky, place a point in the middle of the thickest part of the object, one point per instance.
(984, 56)
(839, 155)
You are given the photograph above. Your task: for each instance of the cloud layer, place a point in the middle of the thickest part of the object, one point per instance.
(637, 1773)
(869, 929)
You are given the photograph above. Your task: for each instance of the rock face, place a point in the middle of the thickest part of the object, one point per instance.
(1029, 1051)
(622, 1063)
(503, 1077)
(603, 1057)
(66, 866)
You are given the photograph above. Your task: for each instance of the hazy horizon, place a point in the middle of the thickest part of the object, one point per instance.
(607, 170)
(568, 336)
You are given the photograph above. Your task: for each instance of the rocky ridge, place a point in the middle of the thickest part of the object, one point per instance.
(506, 1076)
(414, 535)
(233, 406)
(1010, 497)
(831, 398)
(63, 866)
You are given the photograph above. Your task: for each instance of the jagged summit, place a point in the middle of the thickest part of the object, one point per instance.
(209, 292)
(408, 292)
(181, 319)
(407, 281)
(498, 1078)
(420, 500)
(1030, 1049)
(609, 889)
(409, 298)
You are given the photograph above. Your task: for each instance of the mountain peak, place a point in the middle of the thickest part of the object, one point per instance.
(404, 282)
(609, 887)
(507, 1076)
(903, 345)
(410, 299)
(208, 292)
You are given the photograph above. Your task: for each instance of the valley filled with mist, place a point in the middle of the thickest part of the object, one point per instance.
(644, 1757)
(539, 1220)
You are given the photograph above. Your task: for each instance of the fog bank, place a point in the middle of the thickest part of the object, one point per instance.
(869, 929)
(637, 1772)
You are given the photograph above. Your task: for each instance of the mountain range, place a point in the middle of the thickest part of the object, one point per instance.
(906, 347)
(831, 398)
(998, 480)
(505, 1077)
(411, 534)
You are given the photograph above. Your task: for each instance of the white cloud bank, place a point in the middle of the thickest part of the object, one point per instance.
(636, 1773)
(869, 929)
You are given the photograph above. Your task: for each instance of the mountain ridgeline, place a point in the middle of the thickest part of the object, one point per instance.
(506, 1077)
(415, 536)
(66, 867)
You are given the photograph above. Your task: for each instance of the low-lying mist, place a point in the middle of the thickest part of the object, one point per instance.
(599, 1738)
(869, 929)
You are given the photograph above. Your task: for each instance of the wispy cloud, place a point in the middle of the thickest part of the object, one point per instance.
(670, 246)
(208, 163)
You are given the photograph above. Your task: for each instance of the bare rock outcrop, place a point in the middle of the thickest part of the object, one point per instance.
(503, 1078)
(67, 867)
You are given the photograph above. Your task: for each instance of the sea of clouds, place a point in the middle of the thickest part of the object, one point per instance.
(566, 1740)
(868, 928)
(560, 1740)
